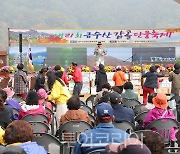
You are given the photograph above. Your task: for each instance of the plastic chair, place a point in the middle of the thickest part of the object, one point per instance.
(15, 111)
(130, 103)
(86, 108)
(53, 119)
(3, 124)
(38, 117)
(92, 118)
(70, 131)
(139, 119)
(74, 127)
(99, 151)
(18, 98)
(173, 150)
(39, 127)
(82, 103)
(140, 133)
(49, 142)
(90, 99)
(125, 125)
(53, 106)
(163, 127)
(137, 109)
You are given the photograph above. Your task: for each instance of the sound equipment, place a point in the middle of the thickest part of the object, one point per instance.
(20, 43)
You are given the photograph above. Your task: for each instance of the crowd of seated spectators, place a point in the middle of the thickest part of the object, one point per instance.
(109, 108)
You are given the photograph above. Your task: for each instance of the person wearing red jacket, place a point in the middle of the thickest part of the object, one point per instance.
(77, 77)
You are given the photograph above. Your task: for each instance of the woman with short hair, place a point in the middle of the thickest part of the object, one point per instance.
(74, 112)
(129, 93)
(20, 133)
(31, 106)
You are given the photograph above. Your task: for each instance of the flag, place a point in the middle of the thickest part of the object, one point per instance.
(30, 66)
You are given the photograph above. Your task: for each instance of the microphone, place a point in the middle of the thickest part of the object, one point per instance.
(129, 58)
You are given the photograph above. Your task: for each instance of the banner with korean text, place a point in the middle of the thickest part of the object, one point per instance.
(69, 36)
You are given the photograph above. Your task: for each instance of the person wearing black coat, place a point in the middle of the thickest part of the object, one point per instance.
(101, 77)
(151, 82)
(40, 79)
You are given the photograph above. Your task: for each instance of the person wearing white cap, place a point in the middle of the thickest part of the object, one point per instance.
(100, 52)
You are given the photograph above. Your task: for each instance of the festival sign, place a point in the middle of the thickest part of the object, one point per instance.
(65, 36)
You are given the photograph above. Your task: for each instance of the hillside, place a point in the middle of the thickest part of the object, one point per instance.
(86, 14)
(108, 60)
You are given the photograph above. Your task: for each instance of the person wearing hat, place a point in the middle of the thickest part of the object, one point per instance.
(119, 78)
(11, 102)
(77, 77)
(129, 146)
(160, 111)
(174, 77)
(42, 101)
(120, 112)
(31, 106)
(99, 52)
(101, 135)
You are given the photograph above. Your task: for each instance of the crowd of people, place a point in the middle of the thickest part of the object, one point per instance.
(51, 89)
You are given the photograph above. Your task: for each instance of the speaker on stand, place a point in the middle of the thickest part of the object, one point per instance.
(20, 47)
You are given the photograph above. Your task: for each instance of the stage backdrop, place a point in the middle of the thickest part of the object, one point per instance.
(68, 36)
(55, 46)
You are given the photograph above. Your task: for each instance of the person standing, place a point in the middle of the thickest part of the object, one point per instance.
(59, 93)
(77, 77)
(174, 77)
(40, 80)
(100, 52)
(20, 82)
(101, 78)
(151, 82)
(64, 76)
(119, 78)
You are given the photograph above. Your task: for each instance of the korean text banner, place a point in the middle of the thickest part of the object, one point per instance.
(56, 36)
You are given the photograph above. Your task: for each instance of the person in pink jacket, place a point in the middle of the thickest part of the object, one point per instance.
(160, 111)
(31, 106)
(42, 101)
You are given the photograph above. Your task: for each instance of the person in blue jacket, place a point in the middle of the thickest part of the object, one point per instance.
(104, 133)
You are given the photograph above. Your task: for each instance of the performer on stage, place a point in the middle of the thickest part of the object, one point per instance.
(100, 52)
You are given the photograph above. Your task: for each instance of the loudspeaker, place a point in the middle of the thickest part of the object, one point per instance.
(20, 42)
